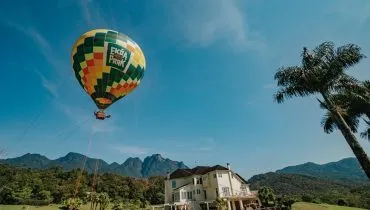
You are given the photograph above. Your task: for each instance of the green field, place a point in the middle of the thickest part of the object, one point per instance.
(312, 206)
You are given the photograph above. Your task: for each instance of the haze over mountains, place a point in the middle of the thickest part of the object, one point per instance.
(134, 167)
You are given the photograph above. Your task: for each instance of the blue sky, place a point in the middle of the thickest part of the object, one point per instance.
(206, 97)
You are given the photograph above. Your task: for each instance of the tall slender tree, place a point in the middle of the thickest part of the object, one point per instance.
(354, 105)
(323, 72)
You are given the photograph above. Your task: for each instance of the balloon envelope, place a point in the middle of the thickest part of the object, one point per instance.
(108, 65)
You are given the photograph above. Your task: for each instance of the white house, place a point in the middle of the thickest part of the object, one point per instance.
(198, 188)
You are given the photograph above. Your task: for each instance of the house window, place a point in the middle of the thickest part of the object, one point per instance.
(200, 180)
(215, 175)
(173, 197)
(177, 196)
(219, 175)
(226, 191)
(173, 184)
(183, 195)
(198, 191)
(217, 192)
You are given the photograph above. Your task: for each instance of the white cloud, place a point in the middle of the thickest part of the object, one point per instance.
(43, 45)
(204, 22)
(91, 13)
(355, 11)
(208, 140)
(45, 49)
(206, 144)
(100, 127)
(86, 119)
(132, 150)
(205, 149)
(50, 86)
(81, 117)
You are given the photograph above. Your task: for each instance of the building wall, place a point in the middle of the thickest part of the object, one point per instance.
(226, 180)
(209, 185)
(169, 187)
(223, 182)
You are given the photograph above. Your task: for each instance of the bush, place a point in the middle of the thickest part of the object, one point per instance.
(342, 202)
(316, 200)
(307, 198)
(7, 196)
(72, 203)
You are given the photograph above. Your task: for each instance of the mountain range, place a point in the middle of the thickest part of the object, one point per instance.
(310, 182)
(347, 169)
(153, 165)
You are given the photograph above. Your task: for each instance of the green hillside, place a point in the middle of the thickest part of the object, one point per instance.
(347, 169)
(314, 189)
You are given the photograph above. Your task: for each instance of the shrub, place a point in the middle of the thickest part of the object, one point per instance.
(342, 202)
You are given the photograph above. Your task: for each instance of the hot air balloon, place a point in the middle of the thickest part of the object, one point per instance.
(108, 65)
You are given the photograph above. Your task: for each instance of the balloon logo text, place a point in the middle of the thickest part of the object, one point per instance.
(118, 57)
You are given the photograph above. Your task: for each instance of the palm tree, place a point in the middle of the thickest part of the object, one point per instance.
(353, 105)
(323, 72)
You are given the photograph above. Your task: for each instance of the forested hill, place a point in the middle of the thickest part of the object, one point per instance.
(347, 169)
(314, 189)
(330, 183)
(134, 167)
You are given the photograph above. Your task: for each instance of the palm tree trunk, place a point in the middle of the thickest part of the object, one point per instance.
(350, 137)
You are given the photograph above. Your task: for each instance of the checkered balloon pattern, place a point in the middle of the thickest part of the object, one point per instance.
(108, 65)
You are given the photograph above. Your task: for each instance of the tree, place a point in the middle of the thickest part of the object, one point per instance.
(266, 195)
(24, 194)
(93, 198)
(73, 203)
(353, 105)
(155, 191)
(103, 200)
(44, 195)
(7, 195)
(323, 72)
(221, 204)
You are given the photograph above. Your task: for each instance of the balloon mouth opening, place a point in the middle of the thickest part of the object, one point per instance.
(104, 101)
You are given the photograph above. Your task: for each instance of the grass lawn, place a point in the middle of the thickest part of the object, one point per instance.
(50, 207)
(313, 206)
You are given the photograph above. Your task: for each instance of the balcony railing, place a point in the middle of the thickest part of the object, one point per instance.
(239, 194)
